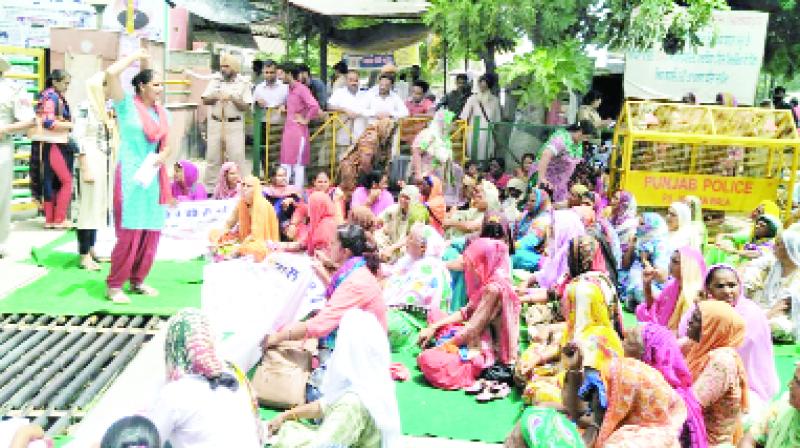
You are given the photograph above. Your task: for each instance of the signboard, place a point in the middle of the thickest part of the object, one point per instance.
(731, 65)
(27, 23)
(653, 189)
(402, 57)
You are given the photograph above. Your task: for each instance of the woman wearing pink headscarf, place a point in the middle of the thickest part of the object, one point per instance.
(566, 225)
(687, 270)
(493, 308)
(656, 346)
(756, 351)
(184, 185)
(228, 181)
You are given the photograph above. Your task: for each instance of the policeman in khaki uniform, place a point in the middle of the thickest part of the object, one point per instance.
(228, 96)
(16, 115)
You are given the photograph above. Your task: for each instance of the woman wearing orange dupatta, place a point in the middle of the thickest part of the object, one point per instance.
(433, 194)
(257, 222)
(643, 409)
(720, 380)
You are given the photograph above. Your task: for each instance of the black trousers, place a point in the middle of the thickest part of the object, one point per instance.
(86, 240)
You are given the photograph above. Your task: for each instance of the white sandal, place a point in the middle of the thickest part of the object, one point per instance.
(116, 295)
(144, 290)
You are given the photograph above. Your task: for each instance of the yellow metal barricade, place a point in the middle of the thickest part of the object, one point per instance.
(730, 157)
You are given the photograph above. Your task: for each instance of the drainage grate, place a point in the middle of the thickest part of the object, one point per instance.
(53, 367)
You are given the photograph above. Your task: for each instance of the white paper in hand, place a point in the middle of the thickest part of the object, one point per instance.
(147, 171)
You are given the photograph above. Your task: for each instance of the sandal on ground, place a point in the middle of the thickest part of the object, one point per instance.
(117, 296)
(486, 394)
(66, 225)
(90, 265)
(48, 225)
(477, 387)
(144, 290)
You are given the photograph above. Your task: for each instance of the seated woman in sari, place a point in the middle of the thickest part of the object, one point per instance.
(202, 388)
(722, 283)
(419, 278)
(416, 285)
(657, 346)
(636, 405)
(624, 218)
(316, 237)
(184, 184)
(592, 313)
(358, 406)
(780, 426)
(735, 249)
(372, 192)
(353, 285)
(697, 224)
(535, 214)
(489, 320)
(283, 197)
(687, 269)
(251, 228)
(649, 252)
(432, 191)
(494, 226)
(774, 283)
(460, 223)
(229, 182)
(396, 220)
(720, 380)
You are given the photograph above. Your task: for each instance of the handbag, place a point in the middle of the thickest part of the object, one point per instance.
(280, 380)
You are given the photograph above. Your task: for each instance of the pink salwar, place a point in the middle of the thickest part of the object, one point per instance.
(135, 249)
(55, 210)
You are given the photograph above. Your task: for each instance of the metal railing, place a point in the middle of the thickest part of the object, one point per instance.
(324, 135)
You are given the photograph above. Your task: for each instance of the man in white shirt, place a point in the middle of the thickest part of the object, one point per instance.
(271, 94)
(348, 100)
(385, 103)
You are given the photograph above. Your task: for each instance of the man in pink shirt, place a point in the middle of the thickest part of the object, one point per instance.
(301, 108)
(418, 106)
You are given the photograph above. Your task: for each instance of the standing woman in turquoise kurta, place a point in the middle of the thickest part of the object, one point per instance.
(138, 202)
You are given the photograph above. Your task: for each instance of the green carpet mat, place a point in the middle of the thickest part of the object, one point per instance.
(429, 412)
(424, 411)
(69, 290)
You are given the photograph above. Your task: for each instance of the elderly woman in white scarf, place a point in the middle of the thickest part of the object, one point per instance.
(396, 220)
(774, 283)
(419, 283)
(431, 151)
(485, 198)
(358, 405)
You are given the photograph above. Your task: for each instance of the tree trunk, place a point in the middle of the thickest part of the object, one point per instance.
(488, 57)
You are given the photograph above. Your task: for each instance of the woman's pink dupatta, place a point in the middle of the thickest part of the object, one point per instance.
(156, 132)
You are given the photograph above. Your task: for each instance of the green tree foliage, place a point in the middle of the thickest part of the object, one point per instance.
(783, 34)
(560, 30)
(540, 75)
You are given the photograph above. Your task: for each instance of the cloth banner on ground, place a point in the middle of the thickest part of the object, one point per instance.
(247, 300)
(185, 232)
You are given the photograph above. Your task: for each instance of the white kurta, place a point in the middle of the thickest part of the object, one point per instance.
(489, 112)
(93, 202)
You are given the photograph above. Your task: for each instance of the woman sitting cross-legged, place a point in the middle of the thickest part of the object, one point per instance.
(358, 406)
(252, 224)
(493, 308)
(418, 283)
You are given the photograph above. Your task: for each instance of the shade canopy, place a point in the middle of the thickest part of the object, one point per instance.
(359, 8)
